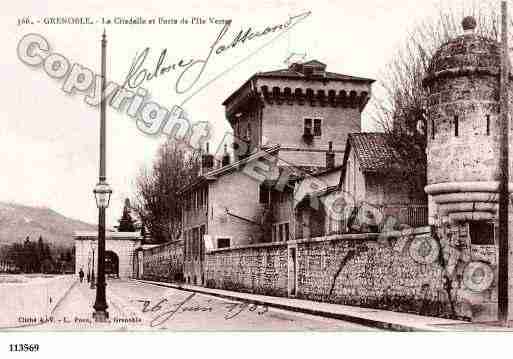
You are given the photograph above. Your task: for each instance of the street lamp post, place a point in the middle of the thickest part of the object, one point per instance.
(102, 193)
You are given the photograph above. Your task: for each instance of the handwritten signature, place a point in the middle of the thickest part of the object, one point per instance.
(193, 69)
(165, 311)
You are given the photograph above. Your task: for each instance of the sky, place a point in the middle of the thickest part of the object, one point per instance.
(49, 139)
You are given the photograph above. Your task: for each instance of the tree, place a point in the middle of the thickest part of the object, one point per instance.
(156, 201)
(44, 255)
(30, 257)
(14, 254)
(126, 223)
(403, 102)
(401, 109)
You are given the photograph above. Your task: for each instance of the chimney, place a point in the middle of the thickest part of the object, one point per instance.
(296, 66)
(330, 156)
(207, 161)
(226, 157)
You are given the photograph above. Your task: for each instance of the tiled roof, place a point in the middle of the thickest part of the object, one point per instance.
(289, 73)
(304, 170)
(297, 71)
(300, 172)
(373, 150)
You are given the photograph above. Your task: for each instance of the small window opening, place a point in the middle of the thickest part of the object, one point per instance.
(223, 242)
(308, 127)
(481, 233)
(264, 194)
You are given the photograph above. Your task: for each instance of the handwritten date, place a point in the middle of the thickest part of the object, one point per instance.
(165, 311)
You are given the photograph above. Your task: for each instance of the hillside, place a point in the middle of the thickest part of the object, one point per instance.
(19, 221)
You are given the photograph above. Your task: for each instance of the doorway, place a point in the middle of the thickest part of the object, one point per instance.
(111, 264)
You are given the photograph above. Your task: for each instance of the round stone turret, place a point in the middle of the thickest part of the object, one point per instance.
(463, 127)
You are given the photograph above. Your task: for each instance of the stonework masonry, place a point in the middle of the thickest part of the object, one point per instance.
(283, 124)
(122, 244)
(260, 269)
(464, 128)
(164, 262)
(271, 108)
(473, 154)
(392, 271)
(361, 270)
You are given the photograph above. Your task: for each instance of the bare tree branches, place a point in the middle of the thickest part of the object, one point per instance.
(400, 110)
(156, 201)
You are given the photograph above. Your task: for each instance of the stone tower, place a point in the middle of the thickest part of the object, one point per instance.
(304, 108)
(463, 83)
(463, 131)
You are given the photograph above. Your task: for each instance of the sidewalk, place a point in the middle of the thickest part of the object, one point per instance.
(74, 313)
(382, 319)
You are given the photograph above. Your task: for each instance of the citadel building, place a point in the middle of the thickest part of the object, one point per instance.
(261, 220)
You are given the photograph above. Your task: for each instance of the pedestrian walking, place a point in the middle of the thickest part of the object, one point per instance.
(81, 275)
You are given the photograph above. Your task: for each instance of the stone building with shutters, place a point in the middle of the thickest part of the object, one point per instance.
(303, 108)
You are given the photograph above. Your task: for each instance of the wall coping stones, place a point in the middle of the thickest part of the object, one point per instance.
(406, 232)
(161, 246)
(257, 245)
(334, 237)
(92, 235)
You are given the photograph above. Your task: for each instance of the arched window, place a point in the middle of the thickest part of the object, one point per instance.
(266, 92)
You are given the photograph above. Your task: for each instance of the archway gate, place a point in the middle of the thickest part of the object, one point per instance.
(122, 244)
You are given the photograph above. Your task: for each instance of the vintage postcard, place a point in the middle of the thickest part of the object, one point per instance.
(256, 166)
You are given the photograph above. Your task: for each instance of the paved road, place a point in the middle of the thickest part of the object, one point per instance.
(141, 306)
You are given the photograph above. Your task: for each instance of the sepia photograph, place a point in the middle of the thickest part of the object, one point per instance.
(198, 168)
